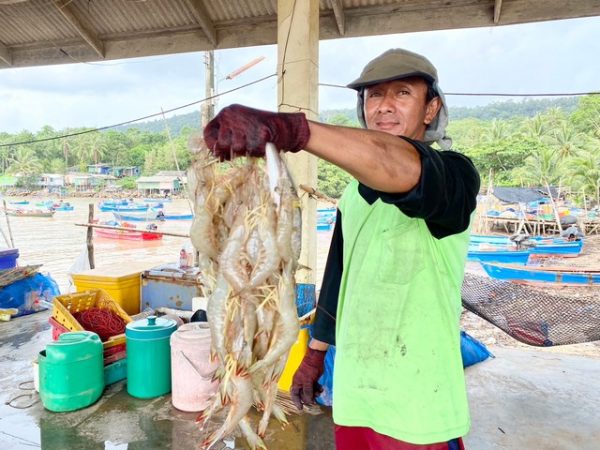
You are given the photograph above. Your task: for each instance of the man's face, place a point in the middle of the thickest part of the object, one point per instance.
(400, 108)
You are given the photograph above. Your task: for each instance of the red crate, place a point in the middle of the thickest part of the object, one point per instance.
(113, 351)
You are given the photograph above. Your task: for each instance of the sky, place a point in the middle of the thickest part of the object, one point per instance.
(545, 57)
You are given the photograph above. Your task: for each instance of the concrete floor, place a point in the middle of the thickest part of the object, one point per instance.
(521, 400)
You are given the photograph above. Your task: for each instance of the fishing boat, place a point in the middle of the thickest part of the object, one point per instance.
(22, 212)
(56, 206)
(109, 206)
(506, 240)
(501, 256)
(133, 235)
(19, 202)
(541, 248)
(150, 216)
(157, 200)
(559, 275)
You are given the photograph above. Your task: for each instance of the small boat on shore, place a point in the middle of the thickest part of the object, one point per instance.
(533, 274)
(501, 256)
(133, 235)
(545, 247)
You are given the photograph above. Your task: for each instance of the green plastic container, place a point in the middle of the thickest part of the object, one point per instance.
(149, 356)
(72, 371)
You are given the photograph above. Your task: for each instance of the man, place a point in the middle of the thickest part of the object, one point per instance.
(390, 299)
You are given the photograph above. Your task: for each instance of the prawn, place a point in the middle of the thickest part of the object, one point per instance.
(287, 325)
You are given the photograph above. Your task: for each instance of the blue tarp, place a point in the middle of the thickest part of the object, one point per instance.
(26, 294)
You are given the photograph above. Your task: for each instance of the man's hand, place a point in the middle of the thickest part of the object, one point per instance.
(305, 386)
(239, 131)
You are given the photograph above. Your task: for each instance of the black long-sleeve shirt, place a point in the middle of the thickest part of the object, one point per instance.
(444, 197)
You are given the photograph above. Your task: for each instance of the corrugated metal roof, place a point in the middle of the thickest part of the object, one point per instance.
(38, 32)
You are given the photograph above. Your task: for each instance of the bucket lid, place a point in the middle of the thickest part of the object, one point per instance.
(196, 331)
(151, 327)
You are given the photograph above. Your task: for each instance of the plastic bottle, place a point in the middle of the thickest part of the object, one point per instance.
(183, 259)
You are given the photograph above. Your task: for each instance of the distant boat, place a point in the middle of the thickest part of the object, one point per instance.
(19, 202)
(558, 275)
(133, 235)
(150, 216)
(56, 206)
(108, 206)
(22, 212)
(157, 200)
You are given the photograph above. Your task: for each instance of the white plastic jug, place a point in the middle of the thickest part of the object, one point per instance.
(191, 367)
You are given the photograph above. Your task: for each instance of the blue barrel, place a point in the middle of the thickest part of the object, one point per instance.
(149, 356)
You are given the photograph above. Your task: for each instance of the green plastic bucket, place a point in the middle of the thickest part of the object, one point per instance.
(71, 371)
(149, 357)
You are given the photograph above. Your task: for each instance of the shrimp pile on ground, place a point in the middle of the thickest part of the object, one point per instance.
(247, 231)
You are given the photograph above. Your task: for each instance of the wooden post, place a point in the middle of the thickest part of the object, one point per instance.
(12, 241)
(90, 235)
(555, 208)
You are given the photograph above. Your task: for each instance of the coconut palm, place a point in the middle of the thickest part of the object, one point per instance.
(566, 140)
(24, 161)
(585, 174)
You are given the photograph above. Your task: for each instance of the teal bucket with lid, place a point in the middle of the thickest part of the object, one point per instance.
(71, 371)
(149, 356)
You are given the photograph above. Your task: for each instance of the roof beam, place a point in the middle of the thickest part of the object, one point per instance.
(68, 12)
(204, 20)
(497, 11)
(5, 54)
(340, 18)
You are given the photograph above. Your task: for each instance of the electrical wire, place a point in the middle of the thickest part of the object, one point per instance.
(94, 130)
(490, 94)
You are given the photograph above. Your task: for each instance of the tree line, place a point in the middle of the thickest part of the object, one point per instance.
(531, 143)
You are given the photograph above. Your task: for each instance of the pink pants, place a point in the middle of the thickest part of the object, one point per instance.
(362, 438)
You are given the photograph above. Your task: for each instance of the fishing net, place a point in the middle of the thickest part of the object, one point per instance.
(532, 315)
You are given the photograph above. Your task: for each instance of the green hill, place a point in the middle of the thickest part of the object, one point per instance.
(497, 110)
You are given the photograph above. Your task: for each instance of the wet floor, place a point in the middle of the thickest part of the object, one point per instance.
(117, 420)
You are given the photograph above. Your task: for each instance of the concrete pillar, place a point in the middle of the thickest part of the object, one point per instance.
(298, 71)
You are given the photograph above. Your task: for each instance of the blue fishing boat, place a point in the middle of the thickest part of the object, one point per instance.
(157, 200)
(19, 202)
(562, 275)
(149, 216)
(502, 256)
(120, 207)
(488, 239)
(558, 248)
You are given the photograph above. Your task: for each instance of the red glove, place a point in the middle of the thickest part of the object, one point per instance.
(238, 131)
(305, 386)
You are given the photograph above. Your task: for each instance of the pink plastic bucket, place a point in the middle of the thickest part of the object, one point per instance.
(191, 368)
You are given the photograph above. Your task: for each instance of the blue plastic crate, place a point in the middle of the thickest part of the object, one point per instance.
(8, 258)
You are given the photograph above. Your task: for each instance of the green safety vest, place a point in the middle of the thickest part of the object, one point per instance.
(398, 366)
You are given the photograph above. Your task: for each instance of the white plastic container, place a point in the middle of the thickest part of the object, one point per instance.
(191, 368)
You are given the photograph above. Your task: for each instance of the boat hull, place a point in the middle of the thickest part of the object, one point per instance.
(514, 257)
(127, 235)
(541, 275)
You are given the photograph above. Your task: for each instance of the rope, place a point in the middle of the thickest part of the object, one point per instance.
(104, 322)
(30, 395)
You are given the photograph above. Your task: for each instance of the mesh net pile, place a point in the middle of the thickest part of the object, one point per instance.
(531, 315)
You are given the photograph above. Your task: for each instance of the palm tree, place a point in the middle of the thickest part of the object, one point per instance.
(542, 167)
(585, 173)
(566, 140)
(536, 127)
(25, 162)
(498, 131)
